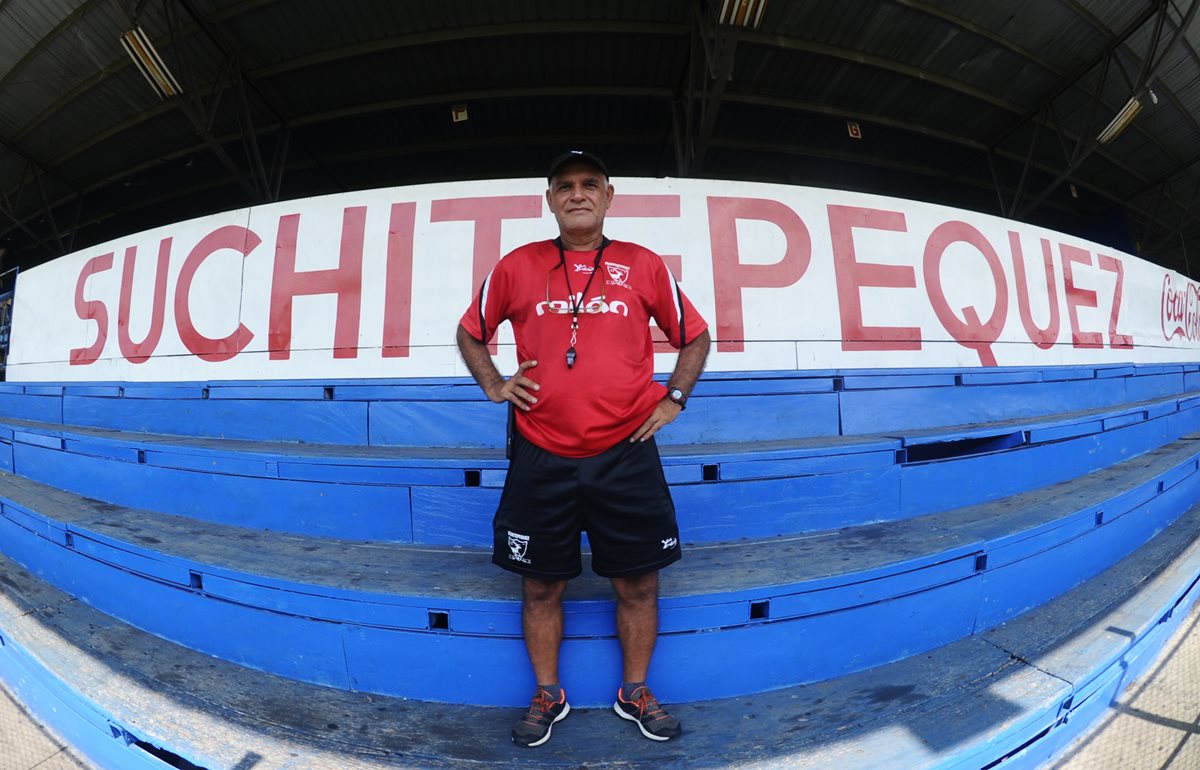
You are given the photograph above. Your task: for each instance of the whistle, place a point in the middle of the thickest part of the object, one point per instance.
(571, 357)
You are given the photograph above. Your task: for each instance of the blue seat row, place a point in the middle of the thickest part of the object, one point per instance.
(1013, 695)
(353, 615)
(722, 491)
(726, 407)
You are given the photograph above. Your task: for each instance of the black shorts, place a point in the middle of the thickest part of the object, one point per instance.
(619, 497)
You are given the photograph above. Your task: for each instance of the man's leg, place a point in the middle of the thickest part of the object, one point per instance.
(637, 622)
(637, 626)
(542, 619)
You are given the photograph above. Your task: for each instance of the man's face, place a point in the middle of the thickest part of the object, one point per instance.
(579, 196)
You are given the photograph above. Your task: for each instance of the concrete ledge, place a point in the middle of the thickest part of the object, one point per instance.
(965, 705)
(742, 614)
(446, 496)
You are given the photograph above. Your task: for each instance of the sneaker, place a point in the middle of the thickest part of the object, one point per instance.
(534, 727)
(644, 711)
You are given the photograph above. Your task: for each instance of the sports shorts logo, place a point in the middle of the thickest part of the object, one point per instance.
(670, 543)
(519, 546)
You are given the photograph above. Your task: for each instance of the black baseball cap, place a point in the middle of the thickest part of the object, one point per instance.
(575, 155)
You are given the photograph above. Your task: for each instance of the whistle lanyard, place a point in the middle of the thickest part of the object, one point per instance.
(576, 302)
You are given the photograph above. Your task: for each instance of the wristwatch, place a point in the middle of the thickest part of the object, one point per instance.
(677, 396)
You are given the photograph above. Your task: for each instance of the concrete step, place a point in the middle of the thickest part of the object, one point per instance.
(444, 496)
(341, 613)
(1017, 691)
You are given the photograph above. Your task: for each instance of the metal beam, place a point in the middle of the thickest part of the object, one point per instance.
(1186, 217)
(230, 49)
(1026, 166)
(45, 168)
(1067, 82)
(991, 159)
(468, 34)
(36, 170)
(650, 93)
(49, 38)
(1149, 71)
(279, 161)
(710, 66)
(48, 211)
(20, 224)
(969, 26)
(202, 116)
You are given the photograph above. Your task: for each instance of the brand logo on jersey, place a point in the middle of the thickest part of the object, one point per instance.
(619, 274)
(585, 269)
(519, 546)
(670, 543)
(594, 306)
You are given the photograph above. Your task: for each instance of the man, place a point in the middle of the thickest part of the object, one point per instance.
(583, 455)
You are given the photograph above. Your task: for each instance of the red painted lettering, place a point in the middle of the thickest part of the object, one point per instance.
(658, 206)
(397, 303)
(852, 275)
(487, 214)
(345, 281)
(1114, 265)
(731, 275)
(91, 310)
(1042, 338)
(647, 206)
(140, 352)
(968, 331)
(1077, 297)
(1180, 310)
(233, 237)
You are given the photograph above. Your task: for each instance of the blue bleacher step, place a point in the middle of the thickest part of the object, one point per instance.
(1013, 694)
(445, 496)
(726, 406)
(340, 612)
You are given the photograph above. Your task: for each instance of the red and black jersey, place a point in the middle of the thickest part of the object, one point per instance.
(585, 409)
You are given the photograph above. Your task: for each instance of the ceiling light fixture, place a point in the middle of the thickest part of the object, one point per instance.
(742, 13)
(1121, 121)
(149, 63)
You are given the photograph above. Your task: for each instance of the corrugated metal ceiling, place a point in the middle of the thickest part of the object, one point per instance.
(359, 92)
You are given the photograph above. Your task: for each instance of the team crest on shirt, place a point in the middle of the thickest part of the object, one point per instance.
(518, 545)
(618, 274)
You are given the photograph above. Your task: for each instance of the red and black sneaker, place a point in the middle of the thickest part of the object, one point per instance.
(534, 728)
(644, 711)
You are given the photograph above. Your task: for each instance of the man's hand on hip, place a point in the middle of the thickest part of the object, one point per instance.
(663, 414)
(516, 389)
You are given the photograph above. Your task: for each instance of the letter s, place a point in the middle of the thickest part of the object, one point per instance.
(91, 310)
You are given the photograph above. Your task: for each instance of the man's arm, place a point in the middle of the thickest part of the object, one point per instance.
(478, 359)
(687, 370)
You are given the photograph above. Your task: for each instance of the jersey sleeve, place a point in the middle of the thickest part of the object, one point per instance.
(490, 307)
(672, 310)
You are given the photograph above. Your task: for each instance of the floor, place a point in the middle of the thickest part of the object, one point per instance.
(1154, 726)
(1155, 723)
(25, 745)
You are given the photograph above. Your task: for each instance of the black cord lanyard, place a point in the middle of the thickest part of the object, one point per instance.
(573, 302)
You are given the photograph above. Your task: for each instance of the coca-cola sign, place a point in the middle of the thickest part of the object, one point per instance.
(1180, 309)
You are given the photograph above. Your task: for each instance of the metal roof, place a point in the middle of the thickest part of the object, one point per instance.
(972, 103)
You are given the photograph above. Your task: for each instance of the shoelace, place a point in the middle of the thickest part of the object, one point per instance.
(540, 706)
(645, 701)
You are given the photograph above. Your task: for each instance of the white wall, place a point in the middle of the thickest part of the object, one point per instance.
(788, 277)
